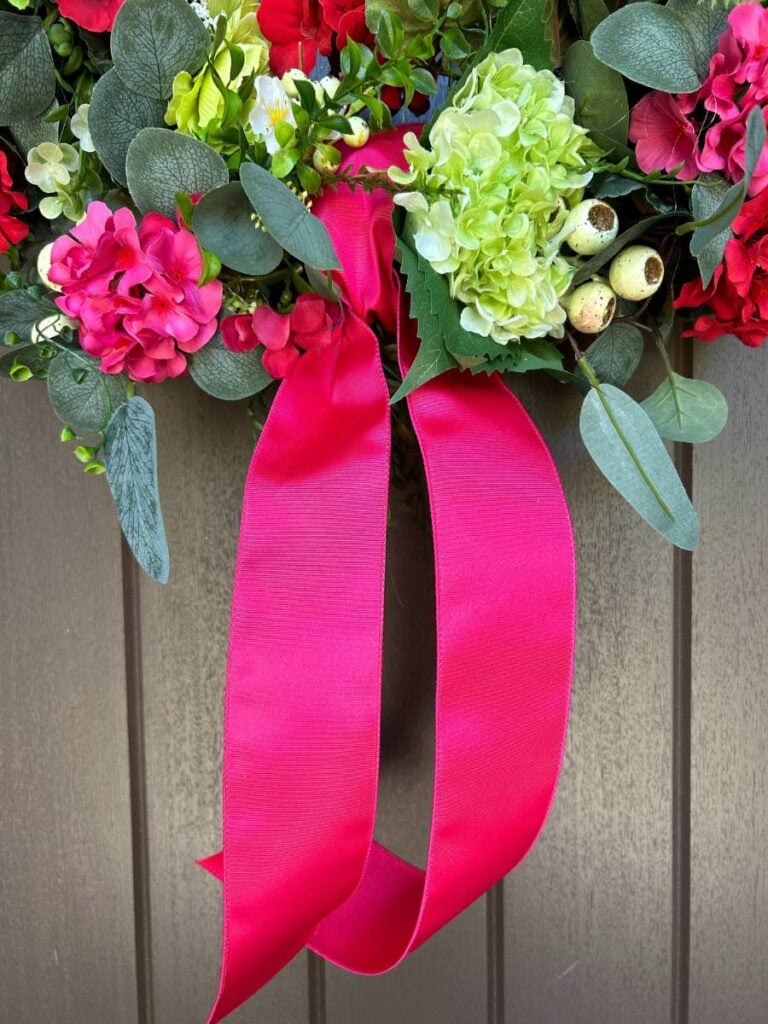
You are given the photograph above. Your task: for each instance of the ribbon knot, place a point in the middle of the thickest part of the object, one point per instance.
(300, 865)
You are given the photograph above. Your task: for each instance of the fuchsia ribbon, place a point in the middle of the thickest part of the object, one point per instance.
(300, 866)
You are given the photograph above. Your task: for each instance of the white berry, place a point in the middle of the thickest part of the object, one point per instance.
(360, 133)
(636, 273)
(591, 307)
(591, 226)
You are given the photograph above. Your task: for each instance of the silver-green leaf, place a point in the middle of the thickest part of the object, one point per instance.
(682, 409)
(615, 354)
(116, 116)
(161, 163)
(223, 221)
(228, 375)
(27, 79)
(81, 395)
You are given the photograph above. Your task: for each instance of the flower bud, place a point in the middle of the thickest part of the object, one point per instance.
(44, 266)
(591, 306)
(329, 85)
(50, 328)
(326, 159)
(360, 133)
(636, 273)
(289, 79)
(592, 225)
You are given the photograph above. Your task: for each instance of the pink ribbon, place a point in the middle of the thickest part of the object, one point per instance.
(300, 866)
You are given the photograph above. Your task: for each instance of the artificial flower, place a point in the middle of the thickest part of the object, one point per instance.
(347, 19)
(736, 300)
(665, 139)
(489, 199)
(272, 107)
(94, 15)
(80, 129)
(12, 230)
(134, 292)
(51, 165)
(297, 31)
(284, 336)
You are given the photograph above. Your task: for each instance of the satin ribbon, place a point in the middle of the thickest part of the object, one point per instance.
(300, 865)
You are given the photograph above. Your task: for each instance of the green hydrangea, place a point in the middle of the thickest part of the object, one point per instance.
(507, 164)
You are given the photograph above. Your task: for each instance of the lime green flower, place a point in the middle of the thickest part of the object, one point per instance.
(507, 164)
(196, 105)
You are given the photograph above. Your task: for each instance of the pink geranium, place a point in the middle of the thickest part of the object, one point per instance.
(134, 291)
(284, 336)
(706, 130)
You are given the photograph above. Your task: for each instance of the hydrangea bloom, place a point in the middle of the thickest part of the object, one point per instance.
(134, 292)
(507, 164)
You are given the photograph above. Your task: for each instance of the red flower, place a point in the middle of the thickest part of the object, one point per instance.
(12, 230)
(297, 31)
(95, 15)
(284, 335)
(347, 19)
(736, 300)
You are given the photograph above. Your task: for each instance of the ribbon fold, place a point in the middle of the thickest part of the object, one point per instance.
(300, 865)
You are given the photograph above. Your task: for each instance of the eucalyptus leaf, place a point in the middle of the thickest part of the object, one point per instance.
(682, 409)
(33, 131)
(161, 163)
(705, 24)
(228, 375)
(599, 94)
(130, 456)
(81, 395)
(20, 311)
(115, 118)
(27, 78)
(223, 223)
(287, 219)
(627, 449)
(705, 202)
(153, 40)
(650, 44)
(615, 355)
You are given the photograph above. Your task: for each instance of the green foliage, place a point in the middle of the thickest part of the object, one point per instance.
(525, 24)
(652, 44)
(627, 449)
(223, 221)
(707, 199)
(27, 79)
(130, 456)
(32, 131)
(705, 23)
(153, 41)
(287, 219)
(81, 395)
(25, 362)
(116, 116)
(615, 355)
(160, 163)
(682, 409)
(600, 97)
(20, 311)
(228, 375)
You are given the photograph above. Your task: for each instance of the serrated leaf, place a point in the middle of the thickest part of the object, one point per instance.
(627, 449)
(599, 94)
(650, 44)
(130, 457)
(682, 409)
(84, 400)
(223, 225)
(115, 118)
(523, 356)
(161, 163)
(152, 42)
(228, 375)
(20, 311)
(596, 263)
(614, 355)
(27, 80)
(287, 219)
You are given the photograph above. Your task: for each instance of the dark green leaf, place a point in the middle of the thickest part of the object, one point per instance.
(705, 24)
(228, 375)
(591, 13)
(153, 41)
(161, 163)
(223, 223)
(287, 219)
(20, 311)
(682, 409)
(627, 449)
(615, 355)
(599, 94)
(36, 358)
(27, 81)
(130, 456)
(705, 202)
(81, 395)
(33, 131)
(116, 117)
(525, 24)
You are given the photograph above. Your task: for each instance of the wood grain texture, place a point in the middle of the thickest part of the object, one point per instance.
(446, 979)
(729, 813)
(587, 930)
(204, 451)
(66, 901)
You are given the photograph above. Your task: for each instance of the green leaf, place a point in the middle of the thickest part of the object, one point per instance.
(523, 357)
(222, 221)
(682, 409)
(287, 219)
(525, 24)
(614, 355)
(591, 13)
(35, 358)
(33, 131)
(650, 44)
(116, 116)
(20, 311)
(706, 200)
(432, 357)
(153, 41)
(130, 456)
(627, 449)
(161, 163)
(228, 375)
(705, 24)
(599, 94)
(596, 263)
(27, 80)
(81, 395)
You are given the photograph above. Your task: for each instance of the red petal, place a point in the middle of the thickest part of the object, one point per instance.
(237, 333)
(272, 329)
(278, 363)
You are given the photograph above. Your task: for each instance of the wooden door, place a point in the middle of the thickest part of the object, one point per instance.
(646, 900)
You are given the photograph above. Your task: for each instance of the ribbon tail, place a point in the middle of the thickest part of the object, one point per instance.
(304, 666)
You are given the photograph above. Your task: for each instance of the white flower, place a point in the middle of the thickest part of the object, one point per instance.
(290, 78)
(80, 129)
(50, 166)
(272, 108)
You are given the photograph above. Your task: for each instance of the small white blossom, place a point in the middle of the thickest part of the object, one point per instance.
(80, 129)
(272, 107)
(50, 166)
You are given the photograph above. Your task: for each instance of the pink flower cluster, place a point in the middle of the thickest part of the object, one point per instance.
(307, 328)
(135, 292)
(706, 130)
